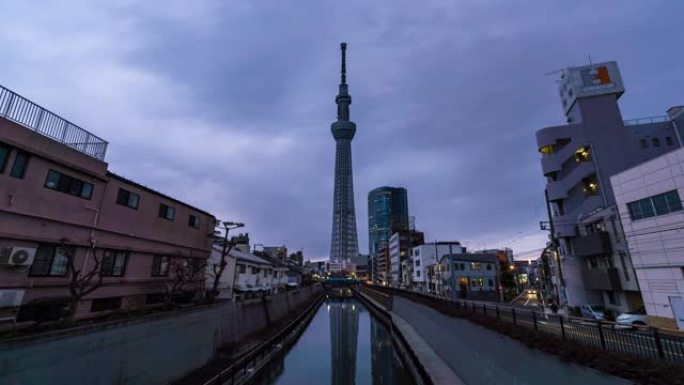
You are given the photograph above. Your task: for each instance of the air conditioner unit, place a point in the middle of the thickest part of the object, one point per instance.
(19, 256)
(11, 298)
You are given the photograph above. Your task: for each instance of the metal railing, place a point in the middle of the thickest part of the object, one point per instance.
(20, 110)
(643, 341)
(648, 120)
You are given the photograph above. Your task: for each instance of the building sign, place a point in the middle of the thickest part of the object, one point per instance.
(589, 80)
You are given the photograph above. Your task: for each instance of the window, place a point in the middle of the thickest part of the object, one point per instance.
(55, 180)
(417, 252)
(456, 265)
(102, 304)
(4, 155)
(462, 266)
(242, 269)
(660, 204)
(590, 185)
(256, 270)
(417, 262)
(127, 198)
(668, 140)
(656, 142)
(475, 266)
(19, 166)
(490, 282)
(643, 143)
(265, 273)
(166, 212)
(613, 299)
(477, 282)
(194, 221)
(489, 266)
(113, 263)
(160, 266)
(417, 273)
(50, 261)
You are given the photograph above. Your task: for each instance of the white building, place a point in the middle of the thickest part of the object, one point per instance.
(252, 274)
(426, 255)
(227, 277)
(649, 198)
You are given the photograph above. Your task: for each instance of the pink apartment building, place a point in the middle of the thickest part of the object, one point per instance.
(55, 187)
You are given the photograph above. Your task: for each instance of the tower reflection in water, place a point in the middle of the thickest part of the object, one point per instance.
(344, 334)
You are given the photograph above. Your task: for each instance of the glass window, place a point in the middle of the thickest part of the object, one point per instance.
(50, 261)
(477, 282)
(417, 273)
(417, 262)
(475, 266)
(160, 266)
(660, 204)
(656, 142)
(489, 266)
(242, 269)
(668, 141)
(674, 203)
(490, 282)
(55, 180)
(127, 198)
(20, 164)
(166, 212)
(4, 155)
(194, 221)
(113, 263)
(643, 143)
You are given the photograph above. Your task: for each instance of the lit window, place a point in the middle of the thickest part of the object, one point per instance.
(582, 154)
(590, 185)
(475, 266)
(546, 150)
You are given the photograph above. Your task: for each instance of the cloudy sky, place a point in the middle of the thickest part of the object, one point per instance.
(227, 104)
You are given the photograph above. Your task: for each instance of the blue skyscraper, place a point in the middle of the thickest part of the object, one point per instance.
(387, 214)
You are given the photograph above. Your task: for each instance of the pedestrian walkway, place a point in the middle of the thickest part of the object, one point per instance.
(482, 356)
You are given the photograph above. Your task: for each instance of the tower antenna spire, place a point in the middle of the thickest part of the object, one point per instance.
(343, 47)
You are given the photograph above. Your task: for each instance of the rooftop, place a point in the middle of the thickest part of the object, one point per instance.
(20, 110)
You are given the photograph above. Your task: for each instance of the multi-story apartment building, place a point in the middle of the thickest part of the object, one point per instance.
(467, 276)
(387, 214)
(399, 245)
(577, 160)
(426, 255)
(62, 213)
(649, 199)
(383, 265)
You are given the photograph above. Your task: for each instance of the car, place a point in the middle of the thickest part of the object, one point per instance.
(593, 312)
(636, 317)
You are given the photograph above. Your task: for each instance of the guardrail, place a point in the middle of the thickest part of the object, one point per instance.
(637, 340)
(648, 120)
(20, 110)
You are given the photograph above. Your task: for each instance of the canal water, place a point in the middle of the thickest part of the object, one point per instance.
(343, 345)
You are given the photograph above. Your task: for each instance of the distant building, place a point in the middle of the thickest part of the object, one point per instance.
(387, 214)
(425, 255)
(649, 199)
(468, 276)
(58, 199)
(277, 252)
(383, 268)
(577, 160)
(400, 244)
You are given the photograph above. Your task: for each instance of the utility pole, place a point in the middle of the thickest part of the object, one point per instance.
(553, 248)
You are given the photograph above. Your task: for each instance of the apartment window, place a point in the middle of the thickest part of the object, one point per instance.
(590, 185)
(643, 143)
(489, 266)
(113, 263)
(475, 266)
(417, 262)
(128, 198)
(265, 273)
(456, 266)
(166, 212)
(256, 270)
(19, 165)
(462, 265)
(103, 304)
(417, 252)
(4, 155)
(55, 180)
(50, 261)
(668, 140)
(242, 269)
(477, 282)
(194, 221)
(660, 204)
(160, 266)
(490, 282)
(656, 142)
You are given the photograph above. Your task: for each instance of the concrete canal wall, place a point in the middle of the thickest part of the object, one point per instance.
(153, 350)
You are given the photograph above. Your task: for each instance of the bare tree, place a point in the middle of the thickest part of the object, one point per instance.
(217, 269)
(81, 282)
(185, 276)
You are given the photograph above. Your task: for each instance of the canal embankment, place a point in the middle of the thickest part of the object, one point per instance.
(149, 350)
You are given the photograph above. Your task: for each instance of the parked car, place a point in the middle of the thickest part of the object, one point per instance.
(593, 312)
(632, 318)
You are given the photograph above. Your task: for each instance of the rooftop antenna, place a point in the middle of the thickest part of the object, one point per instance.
(589, 56)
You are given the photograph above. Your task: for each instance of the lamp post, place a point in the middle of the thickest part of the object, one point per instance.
(226, 226)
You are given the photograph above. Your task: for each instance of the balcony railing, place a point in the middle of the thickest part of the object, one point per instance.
(592, 244)
(648, 120)
(20, 110)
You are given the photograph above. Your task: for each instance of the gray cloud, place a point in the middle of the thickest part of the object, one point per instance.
(228, 104)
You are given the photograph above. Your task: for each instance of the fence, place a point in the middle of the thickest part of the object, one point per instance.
(643, 341)
(20, 110)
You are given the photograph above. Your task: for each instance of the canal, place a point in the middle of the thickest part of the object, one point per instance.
(343, 344)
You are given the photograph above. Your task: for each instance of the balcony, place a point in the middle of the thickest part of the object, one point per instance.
(601, 279)
(20, 110)
(556, 190)
(592, 244)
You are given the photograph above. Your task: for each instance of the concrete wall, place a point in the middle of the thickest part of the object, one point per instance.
(155, 350)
